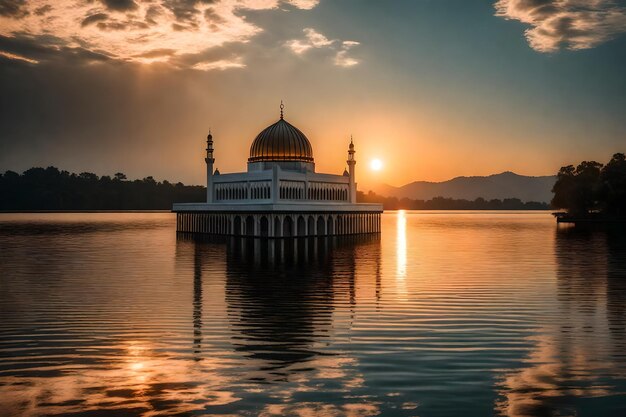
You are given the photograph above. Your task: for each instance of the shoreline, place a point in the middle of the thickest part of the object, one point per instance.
(80, 211)
(170, 211)
(576, 221)
(594, 218)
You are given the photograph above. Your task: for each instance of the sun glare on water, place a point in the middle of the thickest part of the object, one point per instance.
(376, 164)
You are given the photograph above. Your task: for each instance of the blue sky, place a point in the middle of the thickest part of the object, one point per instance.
(434, 88)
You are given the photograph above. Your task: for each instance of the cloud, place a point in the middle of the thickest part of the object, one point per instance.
(46, 48)
(312, 39)
(120, 5)
(570, 24)
(130, 30)
(342, 59)
(13, 8)
(16, 57)
(315, 40)
(94, 18)
(222, 64)
(304, 4)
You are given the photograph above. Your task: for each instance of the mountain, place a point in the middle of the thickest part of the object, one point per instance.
(504, 185)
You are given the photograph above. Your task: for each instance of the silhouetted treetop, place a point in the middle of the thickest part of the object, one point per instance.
(52, 189)
(443, 203)
(592, 187)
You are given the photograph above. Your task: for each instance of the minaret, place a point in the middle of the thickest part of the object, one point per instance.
(209, 167)
(351, 163)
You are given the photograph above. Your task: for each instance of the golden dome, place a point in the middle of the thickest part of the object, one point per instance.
(281, 142)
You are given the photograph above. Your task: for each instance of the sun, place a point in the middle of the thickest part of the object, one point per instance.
(376, 165)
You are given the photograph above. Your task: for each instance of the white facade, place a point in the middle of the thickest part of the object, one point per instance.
(280, 195)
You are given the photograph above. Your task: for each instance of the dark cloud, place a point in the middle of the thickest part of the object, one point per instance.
(121, 25)
(151, 14)
(40, 11)
(39, 48)
(47, 48)
(571, 24)
(231, 52)
(178, 27)
(213, 17)
(13, 8)
(183, 10)
(120, 5)
(94, 18)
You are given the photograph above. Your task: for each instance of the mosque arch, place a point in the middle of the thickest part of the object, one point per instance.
(237, 226)
(321, 226)
(311, 226)
(277, 231)
(249, 226)
(264, 223)
(288, 227)
(301, 226)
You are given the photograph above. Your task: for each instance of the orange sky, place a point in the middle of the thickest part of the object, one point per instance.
(433, 89)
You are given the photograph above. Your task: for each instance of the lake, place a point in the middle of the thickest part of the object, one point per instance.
(442, 314)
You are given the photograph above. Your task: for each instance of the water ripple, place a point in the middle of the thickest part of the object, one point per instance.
(444, 314)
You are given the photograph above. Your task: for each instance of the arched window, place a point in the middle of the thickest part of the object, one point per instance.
(264, 226)
(288, 226)
(311, 224)
(321, 226)
(249, 226)
(277, 227)
(301, 226)
(237, 225)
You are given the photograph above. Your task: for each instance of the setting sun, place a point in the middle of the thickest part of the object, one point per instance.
(376, 165)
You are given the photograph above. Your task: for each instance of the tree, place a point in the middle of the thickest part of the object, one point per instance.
(588, 180)
(613, 178)
(578, 189)
(51, 189)
(592, 187)
(88, 176)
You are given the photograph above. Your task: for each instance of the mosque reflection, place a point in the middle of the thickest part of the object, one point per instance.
(579, 358)
(281, 295)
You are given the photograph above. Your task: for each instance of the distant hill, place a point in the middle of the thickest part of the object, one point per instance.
(501, 186)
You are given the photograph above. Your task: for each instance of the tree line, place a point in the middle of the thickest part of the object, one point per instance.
(592, 189)
(586, 189)
(52, 189)
(443, 203)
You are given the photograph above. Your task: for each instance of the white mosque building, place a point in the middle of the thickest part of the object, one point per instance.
(280, 195)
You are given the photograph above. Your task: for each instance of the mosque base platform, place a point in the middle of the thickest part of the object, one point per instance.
(279, 224)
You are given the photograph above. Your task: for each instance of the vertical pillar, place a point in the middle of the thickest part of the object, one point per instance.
(209, 168)
(275, 184)
(351, 170)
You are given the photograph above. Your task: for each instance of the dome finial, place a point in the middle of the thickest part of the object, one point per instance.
(282, 106)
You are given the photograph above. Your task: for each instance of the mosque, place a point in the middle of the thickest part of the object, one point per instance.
(280, 195)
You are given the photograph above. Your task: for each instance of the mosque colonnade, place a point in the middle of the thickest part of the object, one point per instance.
(278, 225)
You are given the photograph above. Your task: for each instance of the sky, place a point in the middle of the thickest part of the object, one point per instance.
(433, 88)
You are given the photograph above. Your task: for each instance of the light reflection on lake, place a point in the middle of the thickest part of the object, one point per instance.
(444, 314)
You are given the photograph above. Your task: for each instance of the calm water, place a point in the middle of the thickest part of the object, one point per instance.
(446, 314)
